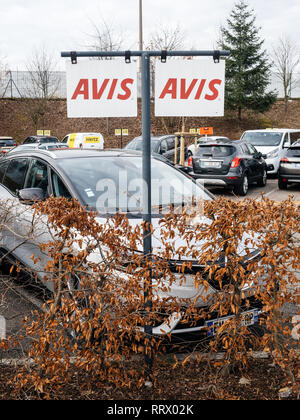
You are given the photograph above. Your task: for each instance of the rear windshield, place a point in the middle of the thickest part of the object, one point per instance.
(7, 142)
(294, 151)
(48, 140)
(215, 151)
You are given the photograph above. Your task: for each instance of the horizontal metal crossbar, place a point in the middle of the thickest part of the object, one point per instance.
(208, 53)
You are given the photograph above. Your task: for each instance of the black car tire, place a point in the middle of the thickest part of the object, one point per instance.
(262, 182)
(281, 184)
(243, 186)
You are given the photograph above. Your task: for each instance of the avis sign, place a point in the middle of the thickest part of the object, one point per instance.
(189, 88)
(101, 89)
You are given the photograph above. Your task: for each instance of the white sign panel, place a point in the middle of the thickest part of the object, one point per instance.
(189, 88)
(102, 88)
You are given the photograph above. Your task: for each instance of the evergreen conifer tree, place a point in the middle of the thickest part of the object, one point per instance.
(247, 68)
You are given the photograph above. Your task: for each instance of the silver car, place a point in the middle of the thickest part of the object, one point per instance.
(289, 169)
(87, 175)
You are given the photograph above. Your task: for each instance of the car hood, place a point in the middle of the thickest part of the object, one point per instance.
(178, 241)
(265, 149)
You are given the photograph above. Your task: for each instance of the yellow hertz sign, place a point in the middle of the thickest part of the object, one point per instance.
(91, 139)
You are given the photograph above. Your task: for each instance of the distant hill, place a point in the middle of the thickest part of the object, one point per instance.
(16, 120)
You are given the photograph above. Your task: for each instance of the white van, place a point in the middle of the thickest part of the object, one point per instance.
(84, 140)
(272, 143)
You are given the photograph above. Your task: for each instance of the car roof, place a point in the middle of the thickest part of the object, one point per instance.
(212, 137)
(41, 136)
(225, 142)
(157, 137)
(72, 153)
(279, 130)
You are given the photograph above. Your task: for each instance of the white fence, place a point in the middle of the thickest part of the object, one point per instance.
(16, 84)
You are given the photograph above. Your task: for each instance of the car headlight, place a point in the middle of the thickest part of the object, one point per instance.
(272, 154)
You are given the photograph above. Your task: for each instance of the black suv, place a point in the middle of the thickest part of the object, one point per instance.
(40, 139)
(234, 164)
(162, 145)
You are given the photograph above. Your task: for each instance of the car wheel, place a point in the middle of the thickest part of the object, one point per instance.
(243, 186)
(263, 180)
(281, 184)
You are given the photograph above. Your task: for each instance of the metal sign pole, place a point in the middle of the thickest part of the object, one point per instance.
(146, 134)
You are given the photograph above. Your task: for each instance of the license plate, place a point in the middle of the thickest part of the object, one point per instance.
(248, 318)
(210, 164)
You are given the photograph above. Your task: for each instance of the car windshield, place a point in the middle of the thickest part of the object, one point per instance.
(114, 184)
(263, 138)
(137, 144)
(215, 150)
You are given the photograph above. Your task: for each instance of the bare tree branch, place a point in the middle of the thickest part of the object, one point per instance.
(286, 58)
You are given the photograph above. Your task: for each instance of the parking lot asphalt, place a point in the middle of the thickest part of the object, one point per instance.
(271, 191)
(16, 304)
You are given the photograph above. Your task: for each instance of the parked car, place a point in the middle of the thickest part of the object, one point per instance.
(162, 145)
(272, 144)
(83, 174)
(40, 139)
(226, 163)
(6, 144)
(289, 168)
(84, 140)
(191, 148)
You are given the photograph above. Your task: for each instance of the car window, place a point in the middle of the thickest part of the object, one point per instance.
(3, 167)
(215, 151)
(244, 149)
(293, 151)
(48, 140)
(294, 136)
(59, 188)
(252, 149)
(15, 174)
(28, 140)
(37, 176)
(65, 139)
(171, 143)
(163, 146)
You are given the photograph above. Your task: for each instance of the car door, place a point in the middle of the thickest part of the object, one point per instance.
(12, 175)
(249, 162)
(26, 229)
(257, 162)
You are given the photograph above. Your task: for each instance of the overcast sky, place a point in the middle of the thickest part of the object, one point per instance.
(64, 25)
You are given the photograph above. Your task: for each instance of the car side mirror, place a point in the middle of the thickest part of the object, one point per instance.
(258, 155)
(286, 145)
(30, 195)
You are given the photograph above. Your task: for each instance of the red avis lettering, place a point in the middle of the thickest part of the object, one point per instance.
(193, 90)
(108, 89)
